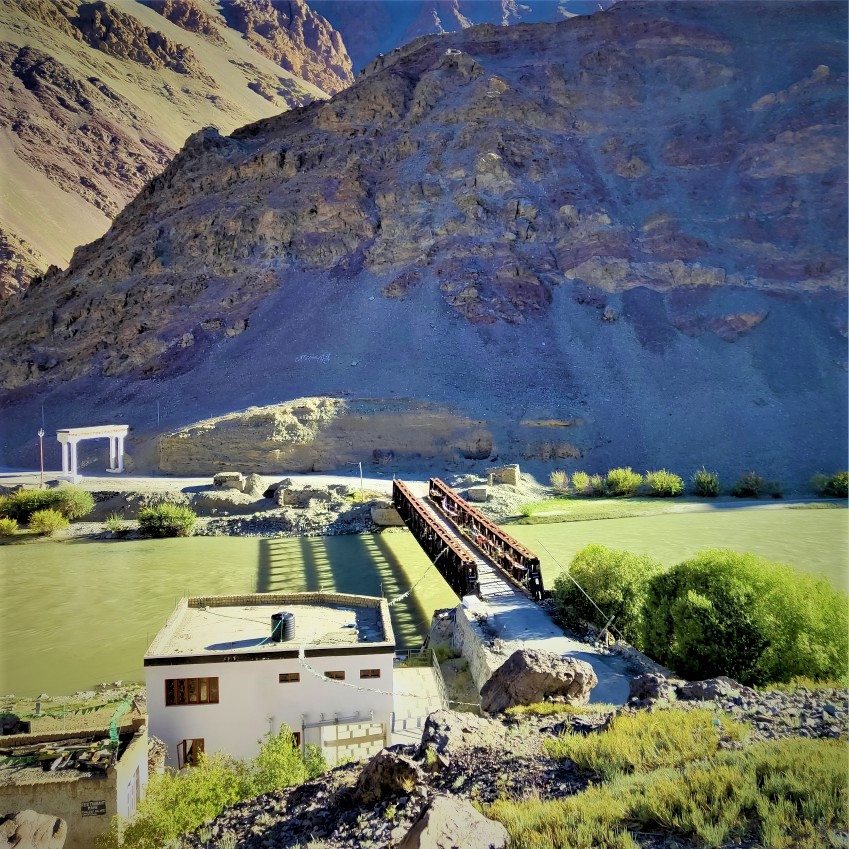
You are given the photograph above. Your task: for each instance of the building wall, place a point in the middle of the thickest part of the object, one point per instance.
(64, 794)
(253, 703)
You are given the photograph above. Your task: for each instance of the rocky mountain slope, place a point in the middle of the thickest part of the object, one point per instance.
(380, 26)
(99, 96)
(617, 239)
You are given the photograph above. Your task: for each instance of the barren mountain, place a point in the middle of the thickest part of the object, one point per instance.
(380, 26)
(617, 239)
(98, 98)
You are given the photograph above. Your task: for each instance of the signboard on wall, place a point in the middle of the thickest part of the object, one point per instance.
(93, 809)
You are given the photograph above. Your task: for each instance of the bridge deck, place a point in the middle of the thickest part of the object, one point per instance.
(512, 613)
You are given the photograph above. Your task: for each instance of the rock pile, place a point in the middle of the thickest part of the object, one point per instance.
(772, 714)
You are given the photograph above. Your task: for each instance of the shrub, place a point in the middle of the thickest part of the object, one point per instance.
(559, 481)
(167, 520)
(178, 803)
(831, 486)
(21, 504)
(597, 486)
(115, 523)
(773, 489)
(8, 527)
(73, 502)
(47, 522)
(664, 484)
(617, 581)
(581, 483)
(749, 485)
(622, 482)
(705, 483)
(724, 613)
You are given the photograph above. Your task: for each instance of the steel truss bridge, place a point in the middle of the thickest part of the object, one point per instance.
(470, 551)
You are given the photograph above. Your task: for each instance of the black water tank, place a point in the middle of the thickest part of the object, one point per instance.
(282, 627)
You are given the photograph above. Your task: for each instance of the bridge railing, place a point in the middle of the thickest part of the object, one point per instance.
(517, 562)
(454, 563)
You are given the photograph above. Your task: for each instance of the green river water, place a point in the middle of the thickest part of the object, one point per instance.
(76, 613)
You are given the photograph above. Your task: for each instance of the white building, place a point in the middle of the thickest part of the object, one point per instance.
(220, 675)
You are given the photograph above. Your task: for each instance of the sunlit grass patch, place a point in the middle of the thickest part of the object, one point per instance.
(554, 708)
(646, 741)
(786, 793)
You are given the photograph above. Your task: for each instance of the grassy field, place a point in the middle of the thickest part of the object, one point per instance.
(554, 510)
(813, 541)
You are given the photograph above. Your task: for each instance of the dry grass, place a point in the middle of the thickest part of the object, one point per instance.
(783, 794)
(644, 742)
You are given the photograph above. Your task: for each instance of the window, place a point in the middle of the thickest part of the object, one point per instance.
(289, 677)
(189, 752)
(191, 691)
(369, 673)
(335, 676)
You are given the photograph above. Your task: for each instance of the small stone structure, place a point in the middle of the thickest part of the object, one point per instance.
(229, 480)
(477, 494)
(504, 474)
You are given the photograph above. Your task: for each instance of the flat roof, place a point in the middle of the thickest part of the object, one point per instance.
(224, 628)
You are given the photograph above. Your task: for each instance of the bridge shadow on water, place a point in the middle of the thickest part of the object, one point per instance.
(363, 564)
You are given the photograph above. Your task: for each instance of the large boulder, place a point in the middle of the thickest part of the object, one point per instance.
(388, 773)
(712, 689)
(530, 676)
(451, 823)
(254, 485)
(651, 687)
(31, 830)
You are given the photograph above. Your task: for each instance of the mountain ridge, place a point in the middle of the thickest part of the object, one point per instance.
(620, 219)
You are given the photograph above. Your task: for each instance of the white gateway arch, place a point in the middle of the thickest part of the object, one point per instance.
(69, 437)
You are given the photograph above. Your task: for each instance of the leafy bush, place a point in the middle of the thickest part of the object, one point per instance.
(559, 481)
(597, 486)
(749, 485)
(74, 503)
(8, 527)
(115, 523)
(21, 504)
(663, 484)
(178, 803)
(622, 482)
(71, 501)
(831, 486)
(167, 520)
(617, 581)
(705, 483)
(773, 489)
(581, 483)
(47, 522)
(724, 613)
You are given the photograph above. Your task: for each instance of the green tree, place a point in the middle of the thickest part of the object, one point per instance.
(725, 613)
(617, 581)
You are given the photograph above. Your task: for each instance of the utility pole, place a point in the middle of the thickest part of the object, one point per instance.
(41, 451)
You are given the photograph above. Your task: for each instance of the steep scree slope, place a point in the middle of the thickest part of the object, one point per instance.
(633, 223)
